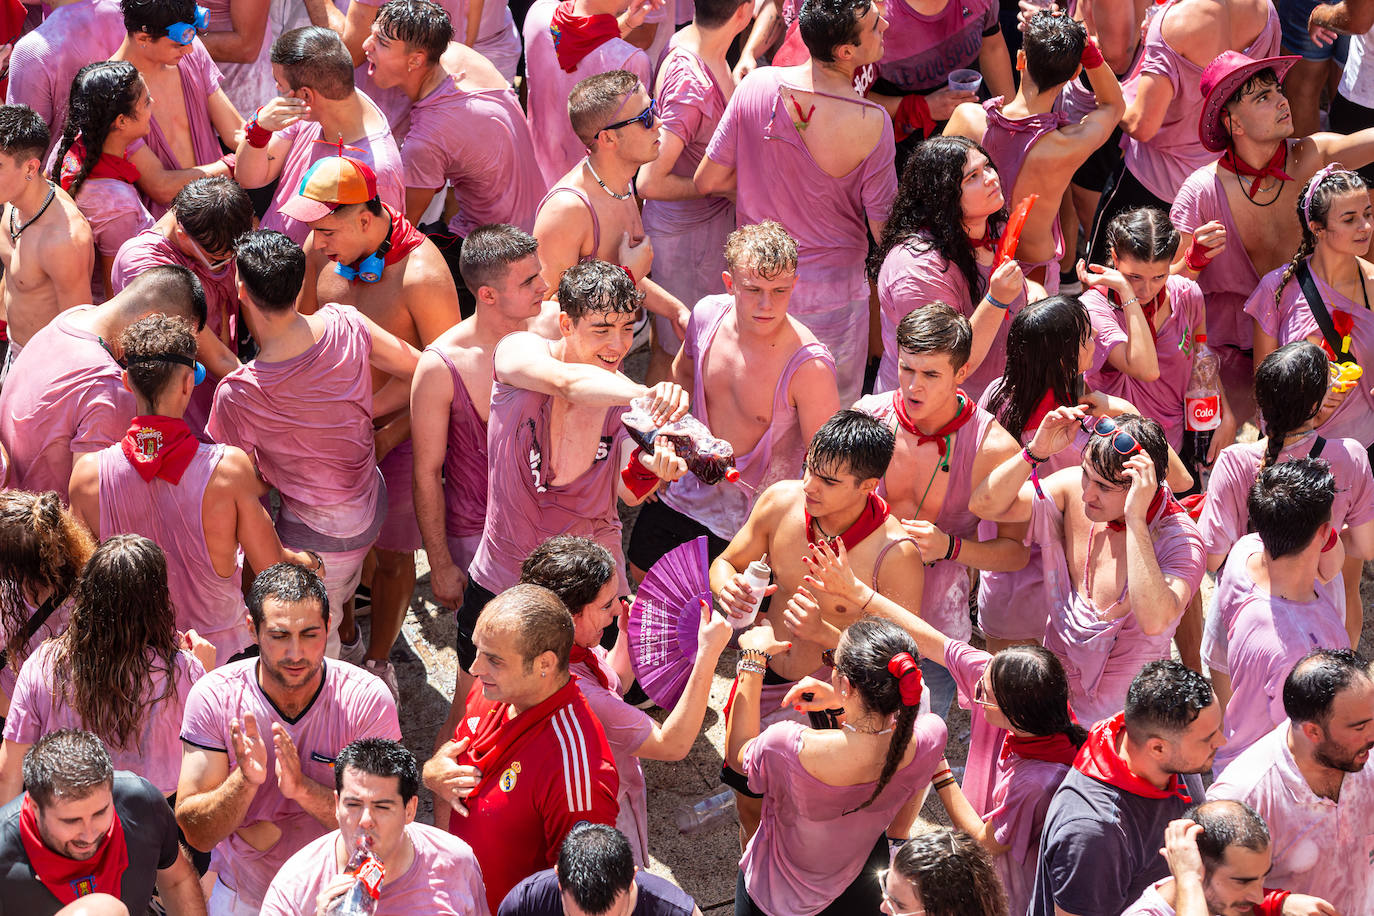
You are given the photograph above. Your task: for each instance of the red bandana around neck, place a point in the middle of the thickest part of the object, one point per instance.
(159, 447)
(583, 655)
(1149, 308)
(496, 734)
(107, 166)
(1053, 748)
(1274, 168)
(574, 37)
(986, 241)
(67, 878)
(1098, 759)
(1037, 416)
(1163, 502)
(870, 520)
(405, 238)
(953, 426)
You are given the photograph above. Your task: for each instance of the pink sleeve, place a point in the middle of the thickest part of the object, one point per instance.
(724, 146)
(1361, 487)
(107, 409)
(966, 665)
(1261, 306)
(920, 280)
(29, 79)
(1107, 329)
(222, 425)
(879, 188)
(1018, 820)
(112, 228)
(206, 70)
(1223, 513)
(423, 161)
(625, 726)
(1191, 304)
(682, 97)
(1192, 198)
(638, 64)
(203, 723)
(374, 714)
(767, 755)
(31, 705)
(1178, 548)
(1160, 60)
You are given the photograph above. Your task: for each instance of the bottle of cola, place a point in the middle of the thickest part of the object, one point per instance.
(711, 459)
(368, 873)
(1202, 401)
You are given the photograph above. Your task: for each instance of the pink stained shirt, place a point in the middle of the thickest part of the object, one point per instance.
(307, 424)
(170, 515)
(115, 211)
(691, 104)
(54, 626)
(807, 848)
(914, 275)
(479, 143)
(465, 461)
(1226, 515)
(1161, 399)
(442, 880)
(626, 729)
(556, 147)
(65, 396)
(1150, 903)
(248, 85)
(1175, 152)
(1257, 638)
(966, 665)
(1008, 142)
(377, 149)
(39, 707)
(1321, 847)
(780, 451)
(351, 704)
(920, 51)
(1291, 320)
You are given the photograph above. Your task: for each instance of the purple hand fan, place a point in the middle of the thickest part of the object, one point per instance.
(663, 621)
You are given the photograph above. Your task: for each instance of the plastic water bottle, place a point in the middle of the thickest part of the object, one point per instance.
(756, 579)
(1202, 401)
(706, 814)
(710, 459)
(368, 873)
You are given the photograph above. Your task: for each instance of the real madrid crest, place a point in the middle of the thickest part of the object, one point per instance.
(508, 778)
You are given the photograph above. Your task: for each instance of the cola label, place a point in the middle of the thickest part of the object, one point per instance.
(370, 875)
(1202, 413)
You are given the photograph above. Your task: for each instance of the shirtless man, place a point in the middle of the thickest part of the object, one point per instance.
(591, 212)
(364, 253)
(874, 567)
(769, 382)
(450, 399)
(191, 113)
(756, 155)
(199, 504)
(46, 251)
(1035, 148)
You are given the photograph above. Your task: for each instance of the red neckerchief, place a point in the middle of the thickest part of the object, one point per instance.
(987, 241)
(1149, 308)
(1037, 416)
(574, 37)
(69, 879)
(107, 166)
(405, 238)
(1273, 168)
(1163, 501)
(963, 416)
(495, 735)
(1098, 759)
(583, 655)
(870, 520)
(1053, 748)
(159, 447)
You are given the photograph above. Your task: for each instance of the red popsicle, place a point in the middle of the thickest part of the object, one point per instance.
(1007, 247)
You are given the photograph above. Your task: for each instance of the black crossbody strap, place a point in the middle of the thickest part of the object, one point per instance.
(1317, 447)
(1323, 317)
(40, 617)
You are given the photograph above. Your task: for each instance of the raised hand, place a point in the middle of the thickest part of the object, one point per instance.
(1056, 432)
(250, 751)
(666, 402)
(290, 779)
(829, 573)
(1140, 471)
(713, 632)
(822, 695)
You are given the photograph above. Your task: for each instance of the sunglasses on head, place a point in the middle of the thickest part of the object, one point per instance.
(645, 118)
(1122, 441)
(183, 33)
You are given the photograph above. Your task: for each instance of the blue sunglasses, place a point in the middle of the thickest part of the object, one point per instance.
(173, 358)
(183, 33)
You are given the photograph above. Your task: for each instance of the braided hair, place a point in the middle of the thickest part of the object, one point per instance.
(42, 551)
(1314, 204)
(101, 92)
(865, 650)
(1290, 385)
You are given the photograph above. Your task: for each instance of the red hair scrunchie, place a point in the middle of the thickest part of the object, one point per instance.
(903, 667)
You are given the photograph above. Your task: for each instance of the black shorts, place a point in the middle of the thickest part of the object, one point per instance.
(1092, 175)
(475, 597)
(1124, 192)
(659, 528)
(451, 247)
(1348, 117)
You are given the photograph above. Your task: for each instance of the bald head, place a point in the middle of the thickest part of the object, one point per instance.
(536, 617)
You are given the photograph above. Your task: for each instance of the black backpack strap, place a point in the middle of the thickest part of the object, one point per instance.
(1317, 447)
(1323, 317)
(40, 617)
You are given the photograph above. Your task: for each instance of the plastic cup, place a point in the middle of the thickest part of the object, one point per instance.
(965, 81)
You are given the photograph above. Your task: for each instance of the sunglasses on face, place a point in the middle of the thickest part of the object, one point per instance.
(183, 33)
(646, 118)
(980, 696)
(1122, 441)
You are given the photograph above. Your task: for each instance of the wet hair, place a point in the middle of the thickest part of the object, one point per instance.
(1321, 188)
(380, 757)
(952, 874)
(421, 25)
(595, 866)
(764, 247)
(827, 24)
(851, 442)
(156, 335)
(1143, 234)
(928, 212)
(1312, 686)
(100, 93)
(597, 288)
(573, 568)
(66, 764)
(1054, 46)
(490, 250)
(23, 133)
(1289, 503)
(43, 548)
(315, 57)
(1032, 690)
(214, 212)
(1042, 356)
(865, 649)
(122, 630)
(1164, 699)
(1109, 464)
(154, 17)
(272, 268)
(593, 102)
(712, 14)
(1226, 823)
(174, 289)
(1290, 385)
(936, 328)
(538, 617)
(289, 584)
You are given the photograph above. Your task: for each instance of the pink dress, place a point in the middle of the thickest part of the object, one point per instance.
(920, 51)
(38, 707)
(778, 455)
(250, 84)
(465, 469)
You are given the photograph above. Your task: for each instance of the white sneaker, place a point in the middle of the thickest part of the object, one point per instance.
(354, 652)
(387, 672)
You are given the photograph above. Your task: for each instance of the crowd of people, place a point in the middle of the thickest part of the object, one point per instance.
(311, 287)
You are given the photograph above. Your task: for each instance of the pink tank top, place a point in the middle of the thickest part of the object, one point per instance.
(171, 515)
(1007, 141)
(465, 460)
(596, 223)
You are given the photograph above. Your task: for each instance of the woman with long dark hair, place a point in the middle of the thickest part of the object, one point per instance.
(943, 873)
(120, 670)
(829, 795)
(108, 110)
(939, 245)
